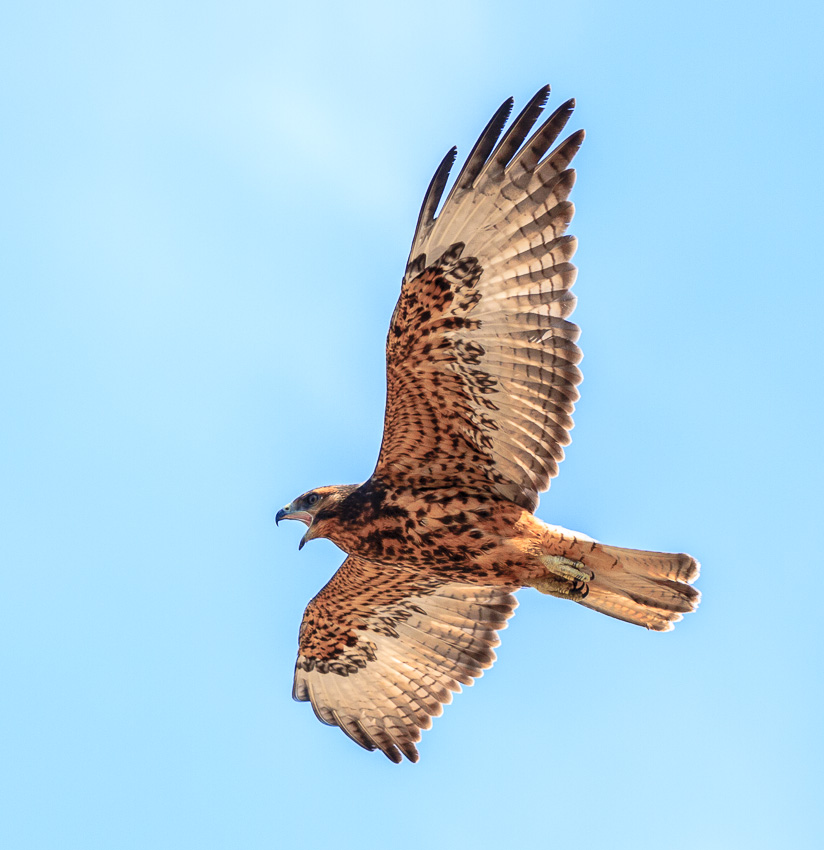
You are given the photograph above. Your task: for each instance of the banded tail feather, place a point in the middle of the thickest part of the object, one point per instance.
(651, 589)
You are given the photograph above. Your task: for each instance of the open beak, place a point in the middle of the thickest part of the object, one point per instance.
(287, 513)
(302, 516)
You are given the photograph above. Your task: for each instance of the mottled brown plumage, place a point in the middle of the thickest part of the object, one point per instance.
(481, 384)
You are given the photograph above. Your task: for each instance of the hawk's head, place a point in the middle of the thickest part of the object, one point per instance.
(316, 509)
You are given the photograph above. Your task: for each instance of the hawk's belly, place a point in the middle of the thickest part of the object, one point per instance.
(452, 534)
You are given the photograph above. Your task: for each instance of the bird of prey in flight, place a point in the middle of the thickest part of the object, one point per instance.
(481, 374)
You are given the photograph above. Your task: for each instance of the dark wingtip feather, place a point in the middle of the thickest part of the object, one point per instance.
(435, 190)
(520, 128)
(544, 137)
(409, 750)
(575, 139)
(392, 753)
(483, 147)
(539, 100)
(567, 106)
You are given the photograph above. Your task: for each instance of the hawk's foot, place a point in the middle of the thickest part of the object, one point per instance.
(567, 578)
(566, 568)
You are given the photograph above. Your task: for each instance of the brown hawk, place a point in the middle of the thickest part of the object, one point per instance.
(481, 371)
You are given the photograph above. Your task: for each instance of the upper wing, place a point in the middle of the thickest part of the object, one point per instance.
(381, 650)
(481, 362)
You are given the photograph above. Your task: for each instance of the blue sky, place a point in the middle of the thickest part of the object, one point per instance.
(206, 213)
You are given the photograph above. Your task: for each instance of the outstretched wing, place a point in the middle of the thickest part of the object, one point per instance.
(481, 362)
(380, 651)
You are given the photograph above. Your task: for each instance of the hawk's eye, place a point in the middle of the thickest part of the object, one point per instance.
(313, 499)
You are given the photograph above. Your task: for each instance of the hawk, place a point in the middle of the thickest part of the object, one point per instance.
(481, 374)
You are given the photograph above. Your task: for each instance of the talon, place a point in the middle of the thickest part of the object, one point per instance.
(560, 587)
(566, 568)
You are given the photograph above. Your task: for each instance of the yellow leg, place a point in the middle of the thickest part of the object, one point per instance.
(567, 578)
(566, 568)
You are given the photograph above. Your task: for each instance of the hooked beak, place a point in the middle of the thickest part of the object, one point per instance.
(302, 516)
(287, 513)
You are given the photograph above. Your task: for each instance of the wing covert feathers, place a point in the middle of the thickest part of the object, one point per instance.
(381, 651)
(481, 360)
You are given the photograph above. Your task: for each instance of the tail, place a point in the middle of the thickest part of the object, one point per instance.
(649, 589)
